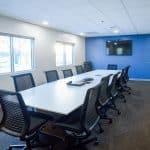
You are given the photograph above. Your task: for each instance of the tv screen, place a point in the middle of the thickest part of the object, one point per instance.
(119, 47)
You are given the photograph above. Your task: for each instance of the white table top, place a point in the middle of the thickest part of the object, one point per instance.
(59, 97)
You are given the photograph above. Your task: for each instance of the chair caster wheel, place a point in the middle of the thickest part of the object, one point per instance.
(119, 113)
(101, 131)
(125, 101)
(110, 121)
(96, 143)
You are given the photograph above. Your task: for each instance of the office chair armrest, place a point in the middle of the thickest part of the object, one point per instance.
(109, 87)
(35, 131)
(67, 127)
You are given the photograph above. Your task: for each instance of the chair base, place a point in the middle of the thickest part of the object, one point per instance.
(80, 144)
(113, 107)
(21, 146)
(102, 113)
(106, 118)
(25, 147)
(125, 88)
(101, 130)
(122, 97)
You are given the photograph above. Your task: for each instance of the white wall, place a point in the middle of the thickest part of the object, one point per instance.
(44, 48)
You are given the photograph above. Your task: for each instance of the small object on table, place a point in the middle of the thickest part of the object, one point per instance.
(75, 83)
(98, 75)
(87, 79)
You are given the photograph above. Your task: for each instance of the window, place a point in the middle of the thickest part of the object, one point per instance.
(63, 54)
(5, 64)
(22, 54)
(15, 53)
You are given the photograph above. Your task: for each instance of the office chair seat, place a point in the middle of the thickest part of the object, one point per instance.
(72, 121)
(36, 123)
(74, 126)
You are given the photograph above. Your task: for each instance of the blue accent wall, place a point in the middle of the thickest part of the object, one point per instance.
(139, 61)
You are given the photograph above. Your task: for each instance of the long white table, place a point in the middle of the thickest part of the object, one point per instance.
(58, 97)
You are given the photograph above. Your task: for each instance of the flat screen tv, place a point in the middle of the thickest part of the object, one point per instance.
(119, 48)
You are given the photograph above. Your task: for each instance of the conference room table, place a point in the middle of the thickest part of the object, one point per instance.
(61, 98)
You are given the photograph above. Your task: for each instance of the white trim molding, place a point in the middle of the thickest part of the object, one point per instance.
(138, 79)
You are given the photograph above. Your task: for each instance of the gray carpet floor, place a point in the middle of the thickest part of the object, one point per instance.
(129, 131)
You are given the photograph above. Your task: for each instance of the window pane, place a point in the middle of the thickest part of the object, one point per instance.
(68, 52)
(22, 54)
(59, 49)
(5, 66)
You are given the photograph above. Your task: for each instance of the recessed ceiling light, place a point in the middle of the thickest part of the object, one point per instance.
(45, 23)
(82, 33)
(116, 31)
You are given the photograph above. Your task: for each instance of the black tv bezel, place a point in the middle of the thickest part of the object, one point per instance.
(107, 51)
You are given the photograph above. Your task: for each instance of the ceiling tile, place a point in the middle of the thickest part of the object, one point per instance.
(76, 16)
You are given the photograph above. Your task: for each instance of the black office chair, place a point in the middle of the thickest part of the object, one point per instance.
(88, 66)
(114, 93)
(126, 73)
(123, 80)
(80, 129)
(51, 75)
(67, 73)
(104, 98)
(126, 78)
(79, 69)
(112, 67)
(23, 81)
(17, 120)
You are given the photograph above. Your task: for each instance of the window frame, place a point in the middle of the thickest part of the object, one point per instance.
(12, 69)
(64, 54)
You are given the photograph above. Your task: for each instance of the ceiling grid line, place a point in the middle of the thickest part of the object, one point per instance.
(87, 18)
(128, 14)
(101, 12)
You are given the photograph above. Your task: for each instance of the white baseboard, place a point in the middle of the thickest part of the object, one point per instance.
(138, 79)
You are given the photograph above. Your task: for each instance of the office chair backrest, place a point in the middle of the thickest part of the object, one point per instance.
(104, 93)
(23, 81)
(112, 67)
(88, 66)
(51, 75)
(67, 73)
(113, 86)
(121, 80)
(89, 115)
(79, 69)
(15, 119)
(1, 113)
(126, 73)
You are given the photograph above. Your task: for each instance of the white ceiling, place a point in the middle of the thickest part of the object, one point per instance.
(83, 16)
